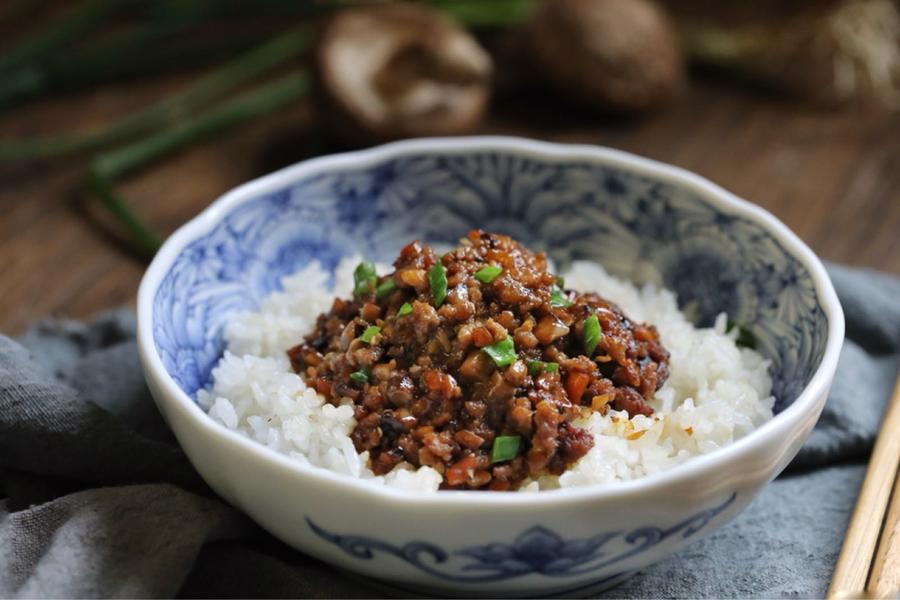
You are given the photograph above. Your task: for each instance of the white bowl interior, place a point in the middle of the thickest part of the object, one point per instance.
(642, 221)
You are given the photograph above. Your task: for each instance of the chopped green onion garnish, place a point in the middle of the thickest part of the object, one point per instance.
(364, 278)
(557, 298)
(437, 279)
(505, 448)
(592, 334)
(488, 273)
(745, 337)
(404, 309)
(503, 353)
(536, 366)
(385, 288)
(361, 376)
(370, 332)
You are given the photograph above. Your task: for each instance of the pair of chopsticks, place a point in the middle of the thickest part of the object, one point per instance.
(869, 563)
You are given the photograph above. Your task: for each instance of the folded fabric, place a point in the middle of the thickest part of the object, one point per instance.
(97, 499)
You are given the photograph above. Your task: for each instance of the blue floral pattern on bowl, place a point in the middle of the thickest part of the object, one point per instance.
(536, 551)
(637, 227)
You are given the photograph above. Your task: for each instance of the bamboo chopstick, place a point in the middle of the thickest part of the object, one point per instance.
(884, 578)
(855, 562)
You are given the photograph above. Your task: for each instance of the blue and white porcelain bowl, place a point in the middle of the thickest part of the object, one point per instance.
(641, 219)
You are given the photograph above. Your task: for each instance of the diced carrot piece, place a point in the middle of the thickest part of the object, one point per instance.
(459, 471)
(576, 383)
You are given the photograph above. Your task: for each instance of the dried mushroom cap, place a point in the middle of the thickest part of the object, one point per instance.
(828, 52)
(621, 54)
(403, 70)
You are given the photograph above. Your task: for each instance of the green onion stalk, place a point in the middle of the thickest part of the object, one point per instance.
(144, 40)
(138, 51)
(492, 14)
(106, 169)
(170, 116)
(82, 64)
(173, 109)
(81, 19)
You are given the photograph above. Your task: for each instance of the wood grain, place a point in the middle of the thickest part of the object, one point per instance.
(884, 578)
(833, 177)
(855, 562)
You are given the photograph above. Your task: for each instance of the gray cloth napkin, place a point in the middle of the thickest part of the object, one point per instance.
(97, 499)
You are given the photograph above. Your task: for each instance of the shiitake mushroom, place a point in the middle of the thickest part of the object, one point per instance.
(400, 70)
(830, 52)
(608, 54)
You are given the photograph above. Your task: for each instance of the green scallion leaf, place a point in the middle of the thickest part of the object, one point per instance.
(404, 309)
(364, 278)
(745, 337)
(558, 298)
(488, 273)
(505, 448)
(503, 353)
(561, 281)
(385, 288)
(370, 332)
(361, 376)
(592, 334)
(437, 279)
(535, 367)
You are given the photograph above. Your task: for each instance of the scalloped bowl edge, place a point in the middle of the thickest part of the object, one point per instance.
(810, 400)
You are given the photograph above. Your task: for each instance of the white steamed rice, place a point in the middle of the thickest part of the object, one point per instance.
(716, 393)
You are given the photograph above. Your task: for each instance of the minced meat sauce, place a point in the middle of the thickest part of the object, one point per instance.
(477, 362)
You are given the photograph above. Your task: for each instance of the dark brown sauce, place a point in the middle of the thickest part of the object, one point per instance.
(438, 384)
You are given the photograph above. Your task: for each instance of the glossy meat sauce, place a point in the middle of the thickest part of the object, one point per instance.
(477, 362)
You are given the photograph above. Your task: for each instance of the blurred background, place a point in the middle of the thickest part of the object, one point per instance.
(121, 119)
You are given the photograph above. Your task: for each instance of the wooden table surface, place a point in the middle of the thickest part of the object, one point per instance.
(832, 177)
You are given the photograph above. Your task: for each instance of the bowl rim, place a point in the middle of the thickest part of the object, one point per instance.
(719, 197)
